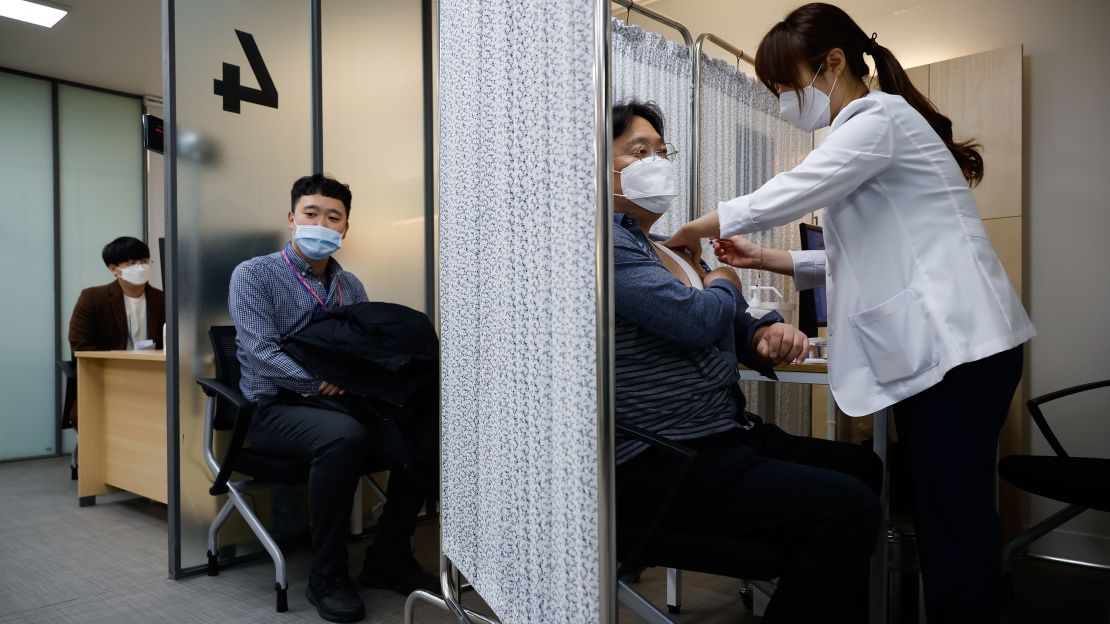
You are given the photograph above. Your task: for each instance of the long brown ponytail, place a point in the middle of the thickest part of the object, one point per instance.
(809, 32)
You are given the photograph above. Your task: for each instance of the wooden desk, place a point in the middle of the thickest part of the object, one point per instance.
(806, 373)
(121, 398)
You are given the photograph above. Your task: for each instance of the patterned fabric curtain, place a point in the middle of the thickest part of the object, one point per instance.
(519, 423)
(744, 144)
(649, 67)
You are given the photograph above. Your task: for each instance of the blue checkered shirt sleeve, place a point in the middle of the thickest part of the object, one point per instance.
(252, 305)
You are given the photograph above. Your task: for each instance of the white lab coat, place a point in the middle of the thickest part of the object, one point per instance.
(914, 287)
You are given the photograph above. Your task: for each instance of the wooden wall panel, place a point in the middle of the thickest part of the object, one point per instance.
(919, 76)
(981, 94)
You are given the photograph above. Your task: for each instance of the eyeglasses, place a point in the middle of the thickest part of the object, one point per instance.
(644, 150)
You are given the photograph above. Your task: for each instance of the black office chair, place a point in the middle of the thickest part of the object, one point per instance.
(226, 409)
(69, 371)
(646, 544)
(1081, 482)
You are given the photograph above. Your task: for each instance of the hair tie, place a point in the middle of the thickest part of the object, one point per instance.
(873, 44)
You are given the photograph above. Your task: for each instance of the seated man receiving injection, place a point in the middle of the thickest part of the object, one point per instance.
(681, 330)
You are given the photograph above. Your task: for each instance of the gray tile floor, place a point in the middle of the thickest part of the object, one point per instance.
(61, 564)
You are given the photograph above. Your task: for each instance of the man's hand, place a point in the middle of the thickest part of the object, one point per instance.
(737, 251)
(723, 273)
(694, 263)
(328, 389)
(686, 243)
(781, 344)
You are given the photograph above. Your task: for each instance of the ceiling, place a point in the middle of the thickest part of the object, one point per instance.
(115, 44)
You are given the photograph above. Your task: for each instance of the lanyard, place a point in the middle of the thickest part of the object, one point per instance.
(323, 304)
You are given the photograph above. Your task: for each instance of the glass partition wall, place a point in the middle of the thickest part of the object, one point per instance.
(72, 171)
(360, 113)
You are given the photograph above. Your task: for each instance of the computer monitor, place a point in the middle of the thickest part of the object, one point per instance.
(813, 312)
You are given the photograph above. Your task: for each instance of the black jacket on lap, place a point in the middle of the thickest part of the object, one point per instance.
(386, 357)
(383, 351)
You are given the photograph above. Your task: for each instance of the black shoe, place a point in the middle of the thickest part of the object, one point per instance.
(398, 572)
(335, 598)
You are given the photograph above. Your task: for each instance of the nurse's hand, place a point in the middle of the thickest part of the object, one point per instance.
(744, 254)
(781, 344)
(737, 251)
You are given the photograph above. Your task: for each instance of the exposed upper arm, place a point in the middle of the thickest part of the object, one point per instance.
(648, 295)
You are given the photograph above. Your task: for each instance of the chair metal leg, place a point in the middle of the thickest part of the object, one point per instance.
(268, 543)
(282, 598)
(73, 463)
(1034, 533)
(217, 522)
(640, 605)
(674, 590)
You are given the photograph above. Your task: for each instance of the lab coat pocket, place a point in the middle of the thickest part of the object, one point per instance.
(896, 338)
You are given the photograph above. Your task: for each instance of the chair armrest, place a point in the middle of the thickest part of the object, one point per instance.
(685, 457)
(244, 411)
(657, 441)
(1038, 417)
(213, 387)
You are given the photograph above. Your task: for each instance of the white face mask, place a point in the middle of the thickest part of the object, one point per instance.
(137, 274)
(810, 113)
(650, 184)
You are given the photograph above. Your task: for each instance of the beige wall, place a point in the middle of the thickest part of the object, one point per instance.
(1066, 183)
(374, 140)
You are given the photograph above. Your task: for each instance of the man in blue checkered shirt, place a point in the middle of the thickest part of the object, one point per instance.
(303, 417)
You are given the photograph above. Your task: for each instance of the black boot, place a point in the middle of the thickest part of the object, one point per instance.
(335, 598)
(395, 570)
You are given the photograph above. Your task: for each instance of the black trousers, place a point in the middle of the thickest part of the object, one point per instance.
(339, 448)
(815, 498)
(951, 431)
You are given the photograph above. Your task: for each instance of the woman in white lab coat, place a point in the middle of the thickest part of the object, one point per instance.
(921, 314)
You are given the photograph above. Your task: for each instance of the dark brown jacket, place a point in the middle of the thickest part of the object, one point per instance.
(99, 321)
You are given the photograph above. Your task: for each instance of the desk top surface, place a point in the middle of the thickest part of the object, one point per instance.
(146, 355)
(816, 367)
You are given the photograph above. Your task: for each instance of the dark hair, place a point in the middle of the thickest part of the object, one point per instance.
(807, 35)
(624, 111)
(320, 184)
(125, 249)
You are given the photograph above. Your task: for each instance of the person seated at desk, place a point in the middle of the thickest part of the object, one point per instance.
(301, 416)
(125, 314)
(680, 331)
